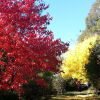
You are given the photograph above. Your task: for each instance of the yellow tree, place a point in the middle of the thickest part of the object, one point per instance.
(76, 59)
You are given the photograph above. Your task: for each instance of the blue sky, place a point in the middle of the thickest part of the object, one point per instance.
(68, 18)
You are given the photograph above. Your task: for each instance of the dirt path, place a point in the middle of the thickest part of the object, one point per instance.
(77, 97)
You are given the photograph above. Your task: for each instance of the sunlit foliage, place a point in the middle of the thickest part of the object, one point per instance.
(75, 60)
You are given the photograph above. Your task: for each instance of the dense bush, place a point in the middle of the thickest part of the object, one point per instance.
(70, 84)
(58, 84)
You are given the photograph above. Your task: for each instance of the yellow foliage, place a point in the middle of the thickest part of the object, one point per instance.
(74, 60)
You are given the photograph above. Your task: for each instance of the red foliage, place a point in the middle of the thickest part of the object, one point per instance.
(26, 46)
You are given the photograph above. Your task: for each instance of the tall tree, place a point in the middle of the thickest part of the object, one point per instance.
(92, 22)
(27, 48)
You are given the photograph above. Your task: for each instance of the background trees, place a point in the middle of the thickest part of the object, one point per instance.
(27, 48)
(92, 22)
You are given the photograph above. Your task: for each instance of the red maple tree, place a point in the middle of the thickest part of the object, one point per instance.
(26, 46)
